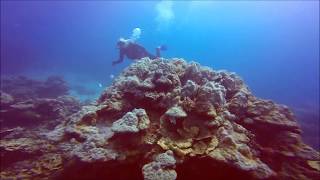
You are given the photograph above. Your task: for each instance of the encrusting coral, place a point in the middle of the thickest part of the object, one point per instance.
(132, 122)
(162, 116)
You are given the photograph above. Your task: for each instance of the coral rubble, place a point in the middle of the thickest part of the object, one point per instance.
(167, 119)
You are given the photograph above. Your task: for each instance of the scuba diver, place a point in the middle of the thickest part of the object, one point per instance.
(129, 48)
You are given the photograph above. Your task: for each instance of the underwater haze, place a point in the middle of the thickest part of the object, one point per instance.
(273, 46)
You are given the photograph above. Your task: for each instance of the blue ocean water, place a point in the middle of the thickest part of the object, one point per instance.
(273, 46)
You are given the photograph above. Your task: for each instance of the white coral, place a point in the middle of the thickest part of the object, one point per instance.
(161, 168)
(131, 122)
(214, 93)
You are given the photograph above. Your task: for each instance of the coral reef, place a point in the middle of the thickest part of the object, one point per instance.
(132, 122)
(23, 88)
(160, 168)
(29, 111)
(36, 111)
(26, 102)
(168, 119)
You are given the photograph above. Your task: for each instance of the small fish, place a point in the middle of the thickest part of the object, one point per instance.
(111, 76)
(99, 84)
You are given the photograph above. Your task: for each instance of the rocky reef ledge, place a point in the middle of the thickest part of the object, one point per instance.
(169, 119)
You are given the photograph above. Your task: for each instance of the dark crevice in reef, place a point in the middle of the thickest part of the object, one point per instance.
(145, 103)
(194, 168)
(205, 168)
(9, 157)
(267, 136)
(112, 170)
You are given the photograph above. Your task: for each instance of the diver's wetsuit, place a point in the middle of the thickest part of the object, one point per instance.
(135, 51)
